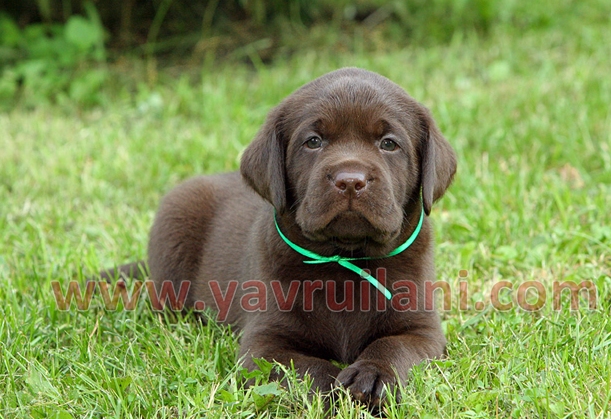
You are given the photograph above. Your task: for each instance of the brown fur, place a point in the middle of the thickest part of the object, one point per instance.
(348, 197)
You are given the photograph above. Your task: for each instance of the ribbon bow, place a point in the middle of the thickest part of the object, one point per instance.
(346, 262)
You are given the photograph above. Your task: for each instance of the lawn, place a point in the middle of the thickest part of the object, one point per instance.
(528, 112)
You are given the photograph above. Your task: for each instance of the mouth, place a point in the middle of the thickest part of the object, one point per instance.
(366, 227)
(351, 230)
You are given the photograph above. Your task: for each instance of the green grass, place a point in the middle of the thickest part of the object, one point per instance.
(529, 115)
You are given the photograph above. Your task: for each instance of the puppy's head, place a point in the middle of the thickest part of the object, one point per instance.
(349, 154)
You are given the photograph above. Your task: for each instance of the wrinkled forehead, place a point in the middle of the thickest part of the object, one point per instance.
(356, 105)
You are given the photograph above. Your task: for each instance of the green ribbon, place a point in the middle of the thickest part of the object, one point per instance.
(345, 262)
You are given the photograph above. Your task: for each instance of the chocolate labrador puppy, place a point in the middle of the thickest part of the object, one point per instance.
(320, 248)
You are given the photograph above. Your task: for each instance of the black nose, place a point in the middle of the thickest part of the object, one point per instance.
(351, 181)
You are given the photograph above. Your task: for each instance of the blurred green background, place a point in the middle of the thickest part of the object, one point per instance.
(51, 50)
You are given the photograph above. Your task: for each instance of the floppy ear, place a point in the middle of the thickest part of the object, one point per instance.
(262, 164)
(438, 162)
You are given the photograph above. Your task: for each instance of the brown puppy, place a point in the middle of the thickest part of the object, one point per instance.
(348, 163)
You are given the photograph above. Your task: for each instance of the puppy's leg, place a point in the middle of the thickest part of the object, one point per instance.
(387, 360)
(322, 372)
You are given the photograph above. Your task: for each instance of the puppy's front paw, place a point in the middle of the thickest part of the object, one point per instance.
(366, 379)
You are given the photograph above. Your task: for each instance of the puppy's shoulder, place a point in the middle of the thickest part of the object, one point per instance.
(208, 187)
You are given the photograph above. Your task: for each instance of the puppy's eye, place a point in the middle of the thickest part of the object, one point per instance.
(314, 142)
(388, 145)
